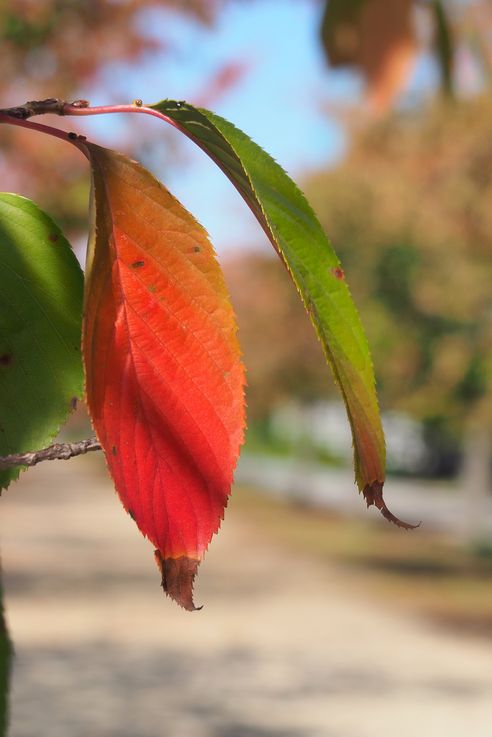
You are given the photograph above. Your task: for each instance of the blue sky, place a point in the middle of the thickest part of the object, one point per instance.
(281, 103)
(278, 102)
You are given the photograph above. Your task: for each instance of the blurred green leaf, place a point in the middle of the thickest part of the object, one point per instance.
(300, 241)
(41, 287)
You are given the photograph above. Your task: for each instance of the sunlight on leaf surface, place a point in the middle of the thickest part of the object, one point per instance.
(164, 377)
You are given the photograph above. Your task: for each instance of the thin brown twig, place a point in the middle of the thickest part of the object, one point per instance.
(56, 452)
(52, 105)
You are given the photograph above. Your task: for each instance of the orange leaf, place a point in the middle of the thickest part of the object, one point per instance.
(164, 378)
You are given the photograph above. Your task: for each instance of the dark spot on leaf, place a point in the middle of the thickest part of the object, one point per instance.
(5, 359)
(113, 450)
(132, 514)
(138, 264)
(178, 575)
(73, 403)
(152, 288)
(197, 249)
(53, 237)
(338, 273)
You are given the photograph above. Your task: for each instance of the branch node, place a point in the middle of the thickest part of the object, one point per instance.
(78, 103)
(37, 107)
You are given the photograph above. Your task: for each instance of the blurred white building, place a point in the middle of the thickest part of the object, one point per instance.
(324, 426)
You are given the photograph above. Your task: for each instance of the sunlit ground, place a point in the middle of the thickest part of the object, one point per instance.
(312, 626)
(419, 572)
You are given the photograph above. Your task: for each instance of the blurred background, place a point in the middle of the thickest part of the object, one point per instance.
(320, 620)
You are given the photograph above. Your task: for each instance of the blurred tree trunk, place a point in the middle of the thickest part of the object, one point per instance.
(476, 478)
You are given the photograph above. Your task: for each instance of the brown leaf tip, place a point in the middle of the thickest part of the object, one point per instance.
(178, 575)
(373, 494)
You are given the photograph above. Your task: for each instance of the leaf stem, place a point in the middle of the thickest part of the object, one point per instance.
(72, 138)
(56, 452)
(18, 115)
(137, 107)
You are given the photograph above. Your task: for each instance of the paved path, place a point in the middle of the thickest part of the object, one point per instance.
(285, 646)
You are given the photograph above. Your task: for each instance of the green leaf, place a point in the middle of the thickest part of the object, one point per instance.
(300, 241)
(41, 287)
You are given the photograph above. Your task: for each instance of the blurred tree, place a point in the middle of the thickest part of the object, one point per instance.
(63, 45)
(409, 212)
(382, 40)
(283, 357)
(62, 48)
(375, 37)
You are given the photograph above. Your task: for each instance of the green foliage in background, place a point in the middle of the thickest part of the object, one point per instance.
(409, 212)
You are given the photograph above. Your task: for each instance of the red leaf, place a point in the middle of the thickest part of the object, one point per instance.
(164, 377)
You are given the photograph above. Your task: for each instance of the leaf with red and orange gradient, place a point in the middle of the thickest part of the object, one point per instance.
(164, 377)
